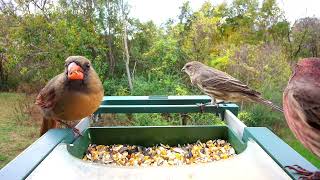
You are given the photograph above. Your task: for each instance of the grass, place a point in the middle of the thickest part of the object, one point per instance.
(17, 130)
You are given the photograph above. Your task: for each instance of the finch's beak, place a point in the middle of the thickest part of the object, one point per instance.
(183, 69)
(75, 72)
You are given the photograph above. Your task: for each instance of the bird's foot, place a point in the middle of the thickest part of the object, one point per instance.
(201, 106)
(217, 103)
(75, 130)
(305, 174)
(91, 116)
(95, 117)
(214, 103)
(221, 102)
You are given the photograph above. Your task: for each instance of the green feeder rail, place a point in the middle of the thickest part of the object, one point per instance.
(57, 154)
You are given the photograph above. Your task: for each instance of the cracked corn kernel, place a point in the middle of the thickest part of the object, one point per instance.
(160, 155)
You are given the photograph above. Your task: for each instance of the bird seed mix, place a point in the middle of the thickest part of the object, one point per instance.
(160, 155)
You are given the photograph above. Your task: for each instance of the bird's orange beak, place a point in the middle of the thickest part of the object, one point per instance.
(75, 72)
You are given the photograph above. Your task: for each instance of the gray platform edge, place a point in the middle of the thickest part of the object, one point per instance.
(24, 163)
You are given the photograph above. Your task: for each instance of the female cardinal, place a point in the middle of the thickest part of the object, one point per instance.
(72, 95)
(301, 104)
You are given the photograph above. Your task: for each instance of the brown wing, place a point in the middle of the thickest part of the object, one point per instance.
(223, 83)
(47, 97)
(308, 97)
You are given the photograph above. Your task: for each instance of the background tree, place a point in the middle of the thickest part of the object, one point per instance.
(306, 34)
(248, 39)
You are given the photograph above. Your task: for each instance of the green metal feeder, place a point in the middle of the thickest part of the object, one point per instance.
(57, 155)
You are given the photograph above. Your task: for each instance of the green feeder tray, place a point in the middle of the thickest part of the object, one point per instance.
(58, 155)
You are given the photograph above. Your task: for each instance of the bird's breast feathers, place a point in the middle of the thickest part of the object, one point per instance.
(77, 105)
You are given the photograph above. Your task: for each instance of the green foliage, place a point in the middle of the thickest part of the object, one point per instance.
(146, 34)
(164, 57)
(205, 119)
(305, 35)
(247, 39)
(116, 87)
(176, 119)
(247, 118)
(150, 120)
(260, 115)
(264, 116)
(221, 62)
(166, 85)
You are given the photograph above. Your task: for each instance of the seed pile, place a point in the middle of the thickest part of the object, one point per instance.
(160, 155)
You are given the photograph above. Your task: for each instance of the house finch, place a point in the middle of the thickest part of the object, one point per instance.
(301, 103)
(72, 95)
(222, 86)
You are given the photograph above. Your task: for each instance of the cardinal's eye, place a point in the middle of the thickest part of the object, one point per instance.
(88, 65)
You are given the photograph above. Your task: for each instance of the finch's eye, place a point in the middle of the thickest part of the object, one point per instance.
(188, 66)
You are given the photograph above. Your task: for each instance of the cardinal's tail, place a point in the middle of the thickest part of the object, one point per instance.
(47, 124)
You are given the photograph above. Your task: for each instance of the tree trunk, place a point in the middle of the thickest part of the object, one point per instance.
(295, 54)
(110, 59)
(184, 118)
(3, 74)
(125, 40)
(1, 71)
(110, 56)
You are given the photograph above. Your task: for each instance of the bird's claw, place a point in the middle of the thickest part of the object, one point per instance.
(221, 102)
(76, 131)
(209, 103)
(212, 103)
(201, 106)
(305, 174)
(215, 104)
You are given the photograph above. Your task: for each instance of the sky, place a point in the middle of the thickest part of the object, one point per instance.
(161, 10)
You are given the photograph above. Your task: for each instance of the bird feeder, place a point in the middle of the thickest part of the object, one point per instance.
(58, 154)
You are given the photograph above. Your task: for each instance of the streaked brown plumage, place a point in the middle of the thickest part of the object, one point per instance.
(72, 95)
(222, 86)
(301, 104)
